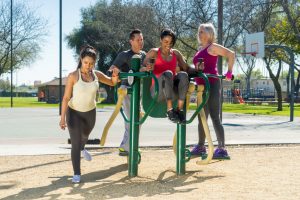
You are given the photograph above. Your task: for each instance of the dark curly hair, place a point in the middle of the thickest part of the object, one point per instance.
(87, 50)
(168, 32)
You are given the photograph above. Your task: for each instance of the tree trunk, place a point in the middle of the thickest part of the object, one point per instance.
(288, 84)
(297, 86)
(275, 80)
(248, 85)
(279, 93)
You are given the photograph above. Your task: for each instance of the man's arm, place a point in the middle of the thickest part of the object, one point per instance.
(118, 62)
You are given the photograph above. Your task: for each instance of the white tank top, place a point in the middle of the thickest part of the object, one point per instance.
(84, 94)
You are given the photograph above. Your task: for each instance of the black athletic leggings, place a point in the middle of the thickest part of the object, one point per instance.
(212, 108)
(80, 125)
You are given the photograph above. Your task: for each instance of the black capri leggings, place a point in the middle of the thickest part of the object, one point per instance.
(80, 125)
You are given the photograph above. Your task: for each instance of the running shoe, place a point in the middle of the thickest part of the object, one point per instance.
(123, 152)
(181, 116)
(173, 116)
(76, 179)
(87, 156)
(220, 153)
(198, 150)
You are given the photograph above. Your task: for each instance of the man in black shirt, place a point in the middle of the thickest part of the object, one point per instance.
(122, 62)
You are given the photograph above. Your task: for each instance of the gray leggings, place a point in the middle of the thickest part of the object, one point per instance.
(80, 125)
(171, 89)
(212, 108)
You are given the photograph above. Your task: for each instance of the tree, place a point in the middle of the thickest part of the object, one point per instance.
(290, 32)
(28, 32)
(257, 74)
(291, 9)
(4, 84)
(106, 26)
(284, 30)
(184, 17)
(269, 60)
(180, 16)
(247, 65)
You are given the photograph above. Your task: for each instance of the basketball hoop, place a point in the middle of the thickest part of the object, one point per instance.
(255, 45)
(249, 53)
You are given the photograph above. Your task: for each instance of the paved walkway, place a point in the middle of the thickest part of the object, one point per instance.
(31, 131)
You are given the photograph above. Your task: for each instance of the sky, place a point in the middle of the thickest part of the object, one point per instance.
(46, 66)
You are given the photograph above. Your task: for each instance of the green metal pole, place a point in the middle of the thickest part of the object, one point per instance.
(134, 118)
(180, 153)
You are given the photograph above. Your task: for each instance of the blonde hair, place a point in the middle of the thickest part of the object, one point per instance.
(210, 29)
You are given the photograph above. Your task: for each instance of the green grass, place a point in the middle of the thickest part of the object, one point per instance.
(32, 102)
(29, 102)
(258, 109)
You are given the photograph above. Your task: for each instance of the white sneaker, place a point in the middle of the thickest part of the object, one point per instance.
(87, 156)
(76, 179)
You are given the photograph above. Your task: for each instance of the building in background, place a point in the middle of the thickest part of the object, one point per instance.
(266, 87)
(49, 91)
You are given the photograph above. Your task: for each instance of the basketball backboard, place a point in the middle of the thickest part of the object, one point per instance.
(255, 44)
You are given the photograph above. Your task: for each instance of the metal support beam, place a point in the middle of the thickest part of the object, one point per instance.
(11, 53)
(180, 146)
(60, 55)
(134, 155)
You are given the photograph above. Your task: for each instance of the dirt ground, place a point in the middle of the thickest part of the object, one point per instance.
(259, 172)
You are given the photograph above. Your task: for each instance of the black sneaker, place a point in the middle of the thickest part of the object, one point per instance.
(181, 116)
(172, 115)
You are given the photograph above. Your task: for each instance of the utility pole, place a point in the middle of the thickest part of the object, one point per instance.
(220, 41)
(11, 53)
(60, 55)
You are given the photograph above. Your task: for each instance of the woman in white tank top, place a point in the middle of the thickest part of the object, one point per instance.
(79, 104)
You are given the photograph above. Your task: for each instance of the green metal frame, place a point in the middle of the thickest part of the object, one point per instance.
(183, 155)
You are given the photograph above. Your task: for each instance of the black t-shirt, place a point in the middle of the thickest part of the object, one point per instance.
(123, 61)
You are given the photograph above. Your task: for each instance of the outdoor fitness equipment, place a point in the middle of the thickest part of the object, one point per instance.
(206, 158)
(155, 109)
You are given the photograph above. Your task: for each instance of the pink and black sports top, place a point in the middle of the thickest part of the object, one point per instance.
(210, 64)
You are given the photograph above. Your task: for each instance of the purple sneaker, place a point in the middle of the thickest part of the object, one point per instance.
(198, 150)
(220, 153)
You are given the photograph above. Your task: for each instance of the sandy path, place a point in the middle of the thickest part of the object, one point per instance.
(253, 173)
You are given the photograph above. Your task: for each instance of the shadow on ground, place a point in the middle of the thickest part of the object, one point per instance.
(97, 185)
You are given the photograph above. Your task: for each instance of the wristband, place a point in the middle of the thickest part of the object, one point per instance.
(228, 75)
